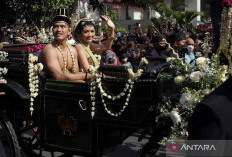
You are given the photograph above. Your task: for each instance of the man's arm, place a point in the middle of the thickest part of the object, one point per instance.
(50, 60)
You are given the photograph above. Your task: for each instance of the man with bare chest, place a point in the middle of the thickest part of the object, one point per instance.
(59, 57)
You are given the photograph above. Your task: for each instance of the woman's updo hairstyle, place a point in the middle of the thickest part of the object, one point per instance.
(79, 26)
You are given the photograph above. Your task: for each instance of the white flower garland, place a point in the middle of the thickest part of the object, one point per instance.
(96, 82)
(33, 70)
(4, 70)
(3, 56)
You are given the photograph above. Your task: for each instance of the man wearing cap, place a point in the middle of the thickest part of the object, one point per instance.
(160, 47)
(60, 58)
(177, 41)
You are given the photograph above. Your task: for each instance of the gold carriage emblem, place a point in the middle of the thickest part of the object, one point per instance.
(68, 124)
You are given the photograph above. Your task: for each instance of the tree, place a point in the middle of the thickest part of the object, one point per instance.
(39, 12)
(176, 11)
(35, 12)
(142, 3)
(186, 17)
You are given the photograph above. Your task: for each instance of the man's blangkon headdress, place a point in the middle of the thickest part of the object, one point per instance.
(61, 16)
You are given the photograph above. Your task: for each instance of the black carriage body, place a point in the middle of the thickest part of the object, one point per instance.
(63, 109)
(67, 115)
(66, 125)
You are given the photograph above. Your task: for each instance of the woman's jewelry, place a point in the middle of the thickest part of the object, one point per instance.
(87, 48)
(64, 60)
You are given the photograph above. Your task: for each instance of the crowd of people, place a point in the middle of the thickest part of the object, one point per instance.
(130, 46)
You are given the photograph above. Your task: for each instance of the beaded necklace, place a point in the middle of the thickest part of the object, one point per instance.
(65, 63)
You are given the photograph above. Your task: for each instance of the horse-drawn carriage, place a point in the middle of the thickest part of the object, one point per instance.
(61, 120)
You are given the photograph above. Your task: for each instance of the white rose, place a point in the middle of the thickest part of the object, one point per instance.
(198, 54)
(225, 67)
(201, 61)
(186, 100)
(223, 79)
(179, 79)
(175, 117)
(206, 91)
(195, 76)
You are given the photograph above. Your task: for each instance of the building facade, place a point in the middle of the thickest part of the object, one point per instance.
(130, 14)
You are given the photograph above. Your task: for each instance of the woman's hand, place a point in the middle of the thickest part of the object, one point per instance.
(109, 22)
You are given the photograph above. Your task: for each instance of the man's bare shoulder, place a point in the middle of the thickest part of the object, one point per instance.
(72, 48)
(48, 52)
(49, 48)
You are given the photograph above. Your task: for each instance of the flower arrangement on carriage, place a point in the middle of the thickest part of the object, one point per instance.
(189, 86)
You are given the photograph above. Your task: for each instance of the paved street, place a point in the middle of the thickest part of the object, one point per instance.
(128, 148)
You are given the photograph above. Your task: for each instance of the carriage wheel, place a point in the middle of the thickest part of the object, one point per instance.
(29, 137)
(9, 146)
(28, 132)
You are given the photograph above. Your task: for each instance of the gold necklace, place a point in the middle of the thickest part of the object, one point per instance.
(64, 60)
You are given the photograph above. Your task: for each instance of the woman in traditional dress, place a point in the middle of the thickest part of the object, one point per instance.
(84, 32)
